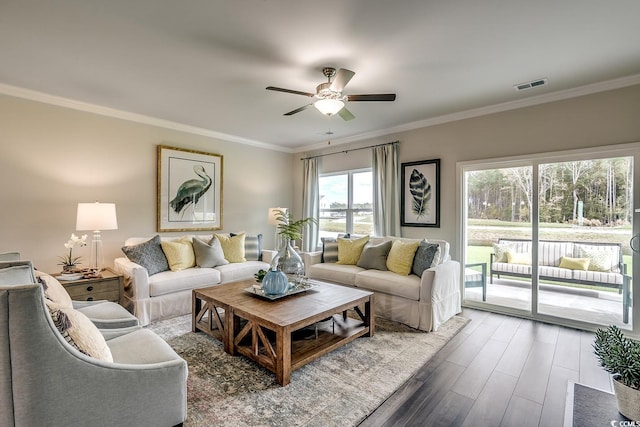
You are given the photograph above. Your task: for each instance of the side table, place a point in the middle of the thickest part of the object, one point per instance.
(475, 279)
(108, 287)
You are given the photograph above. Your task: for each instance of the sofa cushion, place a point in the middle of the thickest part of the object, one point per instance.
(179, 253)
(336, 273)
(375, 256)
(519, 258)
(500, 251)
(149, 255)
(400, 258)
(387, 282)
(208, 254)
(349, 250)
(168, 282)
(598, 277)
(252, 246)
(53, 290)
(79, 331)
(233, 247)
(427, 256)
(601, 258)
(329, 249)
(505, 267)
(240, 270)
(574, 263)
(551, 253)
(555, 272)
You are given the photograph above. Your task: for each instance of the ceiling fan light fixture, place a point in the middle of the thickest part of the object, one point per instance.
(328, 107)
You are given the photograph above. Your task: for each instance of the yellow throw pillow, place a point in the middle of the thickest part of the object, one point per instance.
(523, 258)
(179, 254)
(400, 258)
(349, 250)
(232, 246)
(574, 263)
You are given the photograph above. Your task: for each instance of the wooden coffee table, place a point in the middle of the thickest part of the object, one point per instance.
(264, 330)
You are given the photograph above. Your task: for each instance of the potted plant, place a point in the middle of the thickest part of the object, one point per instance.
(620, 356)
(290, 228)
(288, 260)
(68, 261)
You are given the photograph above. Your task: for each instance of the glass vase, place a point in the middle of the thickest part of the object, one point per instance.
(275, 283)
(289, 262)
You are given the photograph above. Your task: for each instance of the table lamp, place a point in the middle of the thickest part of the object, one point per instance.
(96, 216)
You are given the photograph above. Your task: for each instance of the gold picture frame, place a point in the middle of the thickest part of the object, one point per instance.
(189, 190)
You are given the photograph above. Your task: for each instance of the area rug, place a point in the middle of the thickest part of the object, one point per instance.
(339, 389)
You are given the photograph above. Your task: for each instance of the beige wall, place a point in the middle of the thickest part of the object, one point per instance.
(51, 158)
(601, 119)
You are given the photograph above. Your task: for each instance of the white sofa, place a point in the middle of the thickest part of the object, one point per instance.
(168, 293)
(420, 302)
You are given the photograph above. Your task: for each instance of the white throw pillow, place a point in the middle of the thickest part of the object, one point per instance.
(80, 332)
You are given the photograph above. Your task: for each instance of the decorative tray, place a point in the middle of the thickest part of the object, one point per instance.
(292, 291)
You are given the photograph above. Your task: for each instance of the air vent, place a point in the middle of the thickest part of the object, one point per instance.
(532, 84)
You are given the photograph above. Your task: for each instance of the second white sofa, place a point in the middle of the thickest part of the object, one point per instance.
(423, 302)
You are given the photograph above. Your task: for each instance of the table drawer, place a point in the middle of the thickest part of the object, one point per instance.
(108, 289)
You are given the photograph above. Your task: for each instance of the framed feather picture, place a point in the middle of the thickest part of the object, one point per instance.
(189, 190)
(420, 194)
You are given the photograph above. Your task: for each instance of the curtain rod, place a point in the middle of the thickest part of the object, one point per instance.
(346, 151)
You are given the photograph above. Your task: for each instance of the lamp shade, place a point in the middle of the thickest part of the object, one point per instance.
(329, 106)
(273, 213)
(96, 216)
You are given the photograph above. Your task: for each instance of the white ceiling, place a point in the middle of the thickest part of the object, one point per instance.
(206, 63)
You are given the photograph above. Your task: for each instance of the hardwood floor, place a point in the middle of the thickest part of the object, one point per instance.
(498, 371)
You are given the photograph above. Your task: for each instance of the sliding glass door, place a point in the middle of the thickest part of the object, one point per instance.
(548, 237)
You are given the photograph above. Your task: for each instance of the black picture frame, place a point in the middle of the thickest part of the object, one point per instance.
(420, 194)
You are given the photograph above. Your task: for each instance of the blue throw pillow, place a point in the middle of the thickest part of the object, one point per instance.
(149, 255)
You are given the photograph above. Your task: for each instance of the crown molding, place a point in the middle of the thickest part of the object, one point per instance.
(483, 111)
(33, 95)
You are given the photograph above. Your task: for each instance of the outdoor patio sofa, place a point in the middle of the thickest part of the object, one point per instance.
(586, 263)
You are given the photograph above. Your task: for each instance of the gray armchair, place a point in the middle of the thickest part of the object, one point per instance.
(46, 381)
(104, 314)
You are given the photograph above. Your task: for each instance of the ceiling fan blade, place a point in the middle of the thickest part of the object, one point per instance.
(297, 110)
(295, 92)
(346, 114)
(373, 97)
(341, 79)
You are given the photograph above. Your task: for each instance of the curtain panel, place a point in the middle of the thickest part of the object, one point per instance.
(311, 202)
(386, 190)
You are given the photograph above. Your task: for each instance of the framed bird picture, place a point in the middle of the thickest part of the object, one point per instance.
(189, 190)
(420, 194)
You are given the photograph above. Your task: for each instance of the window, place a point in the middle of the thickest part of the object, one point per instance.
(346, 203)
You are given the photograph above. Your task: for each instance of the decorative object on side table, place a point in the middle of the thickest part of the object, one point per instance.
(287, 259)
(68, 262)
(620, 356)
(96, 216)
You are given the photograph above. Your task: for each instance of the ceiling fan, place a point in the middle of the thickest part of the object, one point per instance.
(330, 99)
